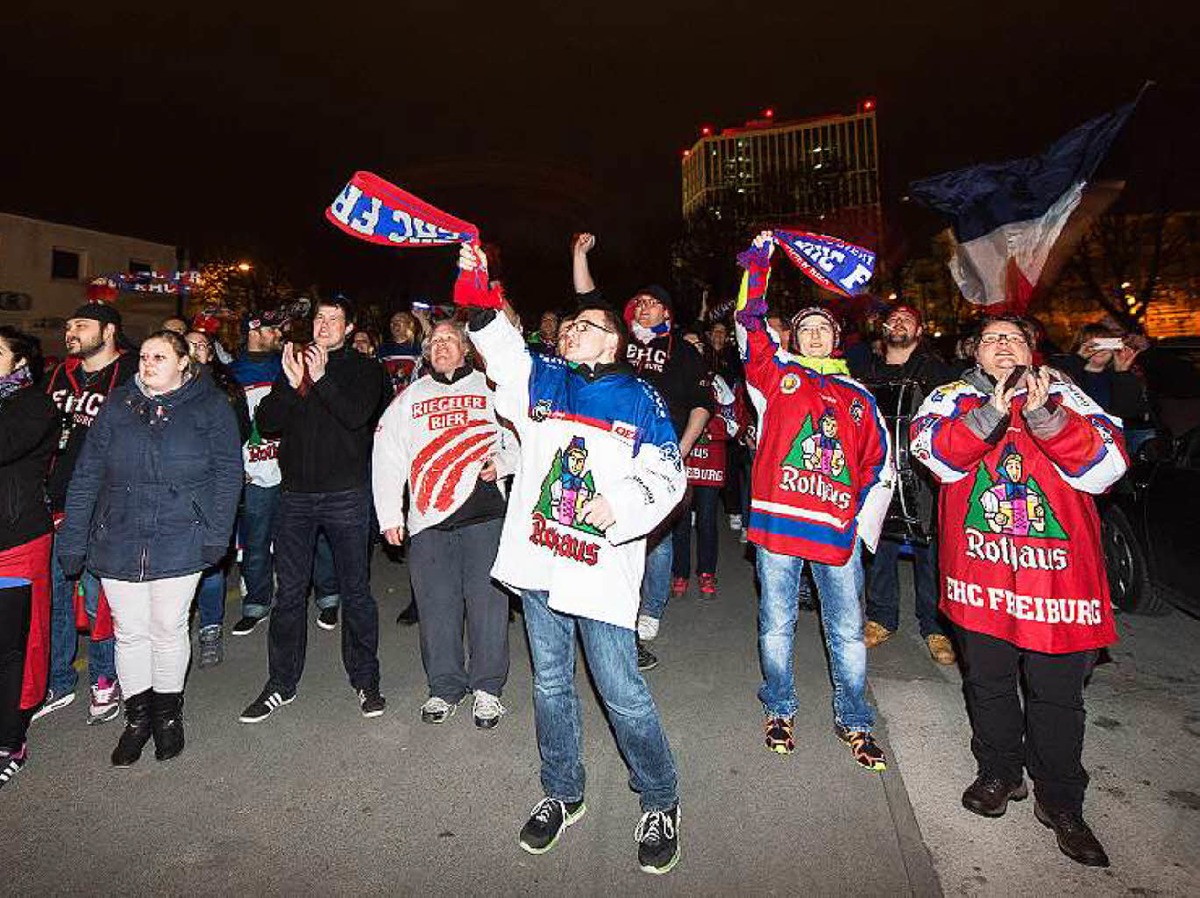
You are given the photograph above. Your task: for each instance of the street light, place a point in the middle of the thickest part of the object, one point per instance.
(243, 267)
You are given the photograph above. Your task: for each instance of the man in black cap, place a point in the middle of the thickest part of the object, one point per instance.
(667, 363)
(94, 367)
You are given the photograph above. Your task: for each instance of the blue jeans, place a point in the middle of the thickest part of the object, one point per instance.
(64, 639)
(883, 587)
(346, 519)
(704, 503)
(656, 580)
(260, 507)
(839, 589)
(611, 654)
(325, 581)
(210, 596)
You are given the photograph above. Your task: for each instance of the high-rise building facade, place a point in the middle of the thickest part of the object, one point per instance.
(796, 172)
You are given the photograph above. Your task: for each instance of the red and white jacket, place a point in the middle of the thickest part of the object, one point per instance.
(435, 438)
(1019, 537)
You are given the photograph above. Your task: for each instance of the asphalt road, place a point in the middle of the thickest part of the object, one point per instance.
(318, 800)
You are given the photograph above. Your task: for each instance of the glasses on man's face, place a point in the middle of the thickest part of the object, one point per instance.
(581, 326)
(994, 339)
(821, 330)
(198, 344)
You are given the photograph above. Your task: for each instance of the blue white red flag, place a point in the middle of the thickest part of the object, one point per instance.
(833, 264)
(1010, 219)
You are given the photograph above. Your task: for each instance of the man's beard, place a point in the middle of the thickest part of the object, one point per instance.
(87, 350)
(901, 342)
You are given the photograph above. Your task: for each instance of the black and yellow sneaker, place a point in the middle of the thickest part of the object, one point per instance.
(866, 751)
(779, 737)
(657, 837)
(546, 822)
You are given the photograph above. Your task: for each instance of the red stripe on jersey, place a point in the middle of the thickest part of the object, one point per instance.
(446, 494)
(436, 468)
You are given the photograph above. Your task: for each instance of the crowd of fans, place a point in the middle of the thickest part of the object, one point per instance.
(572, 468)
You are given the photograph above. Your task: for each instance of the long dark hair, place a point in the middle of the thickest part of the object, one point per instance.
(26, 347)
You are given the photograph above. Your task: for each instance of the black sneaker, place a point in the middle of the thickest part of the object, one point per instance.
(866, 750)
(246, 626)
(780, 735)
(657, 835)
(328, 618)
(546, 822)
(11, 764)
(371, 702)
(647, 660)
(409, 615)
(266, 704)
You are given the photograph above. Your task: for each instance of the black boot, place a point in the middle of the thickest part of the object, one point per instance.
(168, 725)
(137, 730)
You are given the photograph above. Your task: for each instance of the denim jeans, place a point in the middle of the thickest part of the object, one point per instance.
(839, 589)
(210, 596)
(656, 580)
(705, 500)
(346, 519)
(260, 507)
(325, 582)
(64, 639)
(611, 654)
(883, 587)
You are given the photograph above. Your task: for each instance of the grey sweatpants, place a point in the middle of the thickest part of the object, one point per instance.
(451, 576)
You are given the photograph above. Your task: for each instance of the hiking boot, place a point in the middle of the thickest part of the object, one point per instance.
(137, 732)
(487, 710)
(866, 750)
(212, 648)
(657, 836)
(168, 725)
(268, 702)
(708, 584)
(779, 735)
(328, 618)
(53, 702)
(246, 626)
(105, 702)
(989, 796)
(437, 710)
(679, 586)
(647, 627)
(875, 634)
(11, 763)
(546, 822)
(371, 702)
(647, 660)
(1075, 838)
(940, 649)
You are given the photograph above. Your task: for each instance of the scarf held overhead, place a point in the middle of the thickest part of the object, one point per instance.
(833, 264)
(372, 209)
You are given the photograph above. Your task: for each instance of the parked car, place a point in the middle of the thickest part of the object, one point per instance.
(1150, 523)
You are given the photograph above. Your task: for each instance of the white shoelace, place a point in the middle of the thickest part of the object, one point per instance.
(543, 810)
(487, 705)
(436, 705)
(654, 827)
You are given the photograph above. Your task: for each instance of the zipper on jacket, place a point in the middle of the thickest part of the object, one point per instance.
(145, 552)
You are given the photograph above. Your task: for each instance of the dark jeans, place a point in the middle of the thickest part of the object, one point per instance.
(346, 519)
(704, 504)
(16, 608)
(451, 576)
(1047, 736)
(325, 581)
(64, 637)
(883, 587)
(260, 508)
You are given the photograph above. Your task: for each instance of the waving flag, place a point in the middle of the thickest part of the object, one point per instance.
(832, 263)
(374, 210)
(1015, 223)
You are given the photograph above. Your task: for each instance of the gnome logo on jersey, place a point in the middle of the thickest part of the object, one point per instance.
(1012, 506)
(816, 463)
(567, 487)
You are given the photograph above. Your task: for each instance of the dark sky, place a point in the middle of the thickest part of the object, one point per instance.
(228, 128)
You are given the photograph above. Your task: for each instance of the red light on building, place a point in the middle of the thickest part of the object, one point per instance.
(769, 112)
(867, 105)
(706, 131)
(686, 153)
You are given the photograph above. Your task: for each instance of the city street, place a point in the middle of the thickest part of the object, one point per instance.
(318, 800)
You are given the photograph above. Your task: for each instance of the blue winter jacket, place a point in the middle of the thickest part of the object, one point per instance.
(156, 487)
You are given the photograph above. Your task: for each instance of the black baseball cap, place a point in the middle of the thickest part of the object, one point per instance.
(99, 311)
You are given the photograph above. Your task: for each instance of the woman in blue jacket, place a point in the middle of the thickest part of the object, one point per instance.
(150, 506)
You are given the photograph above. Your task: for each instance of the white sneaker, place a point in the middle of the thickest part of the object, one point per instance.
(487, 710)
(735, 522)
(437, 710)
(647, 627)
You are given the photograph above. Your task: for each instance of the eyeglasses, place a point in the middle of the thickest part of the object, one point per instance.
(582, 325)
(993, 339)
(814, 329)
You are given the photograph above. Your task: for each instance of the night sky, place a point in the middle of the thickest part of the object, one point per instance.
(227, 129)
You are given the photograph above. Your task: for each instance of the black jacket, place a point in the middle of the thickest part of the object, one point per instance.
(923, 366)
(29, 431)
(326, 435)
(156, 487)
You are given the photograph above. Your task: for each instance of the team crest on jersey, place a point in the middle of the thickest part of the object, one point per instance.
(567, 487)
(856, 410)
(789, 383)
(541, 411)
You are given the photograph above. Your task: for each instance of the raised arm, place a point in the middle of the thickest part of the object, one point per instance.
(581, 272)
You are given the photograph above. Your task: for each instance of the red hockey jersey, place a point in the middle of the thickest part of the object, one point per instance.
(1019, 537)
